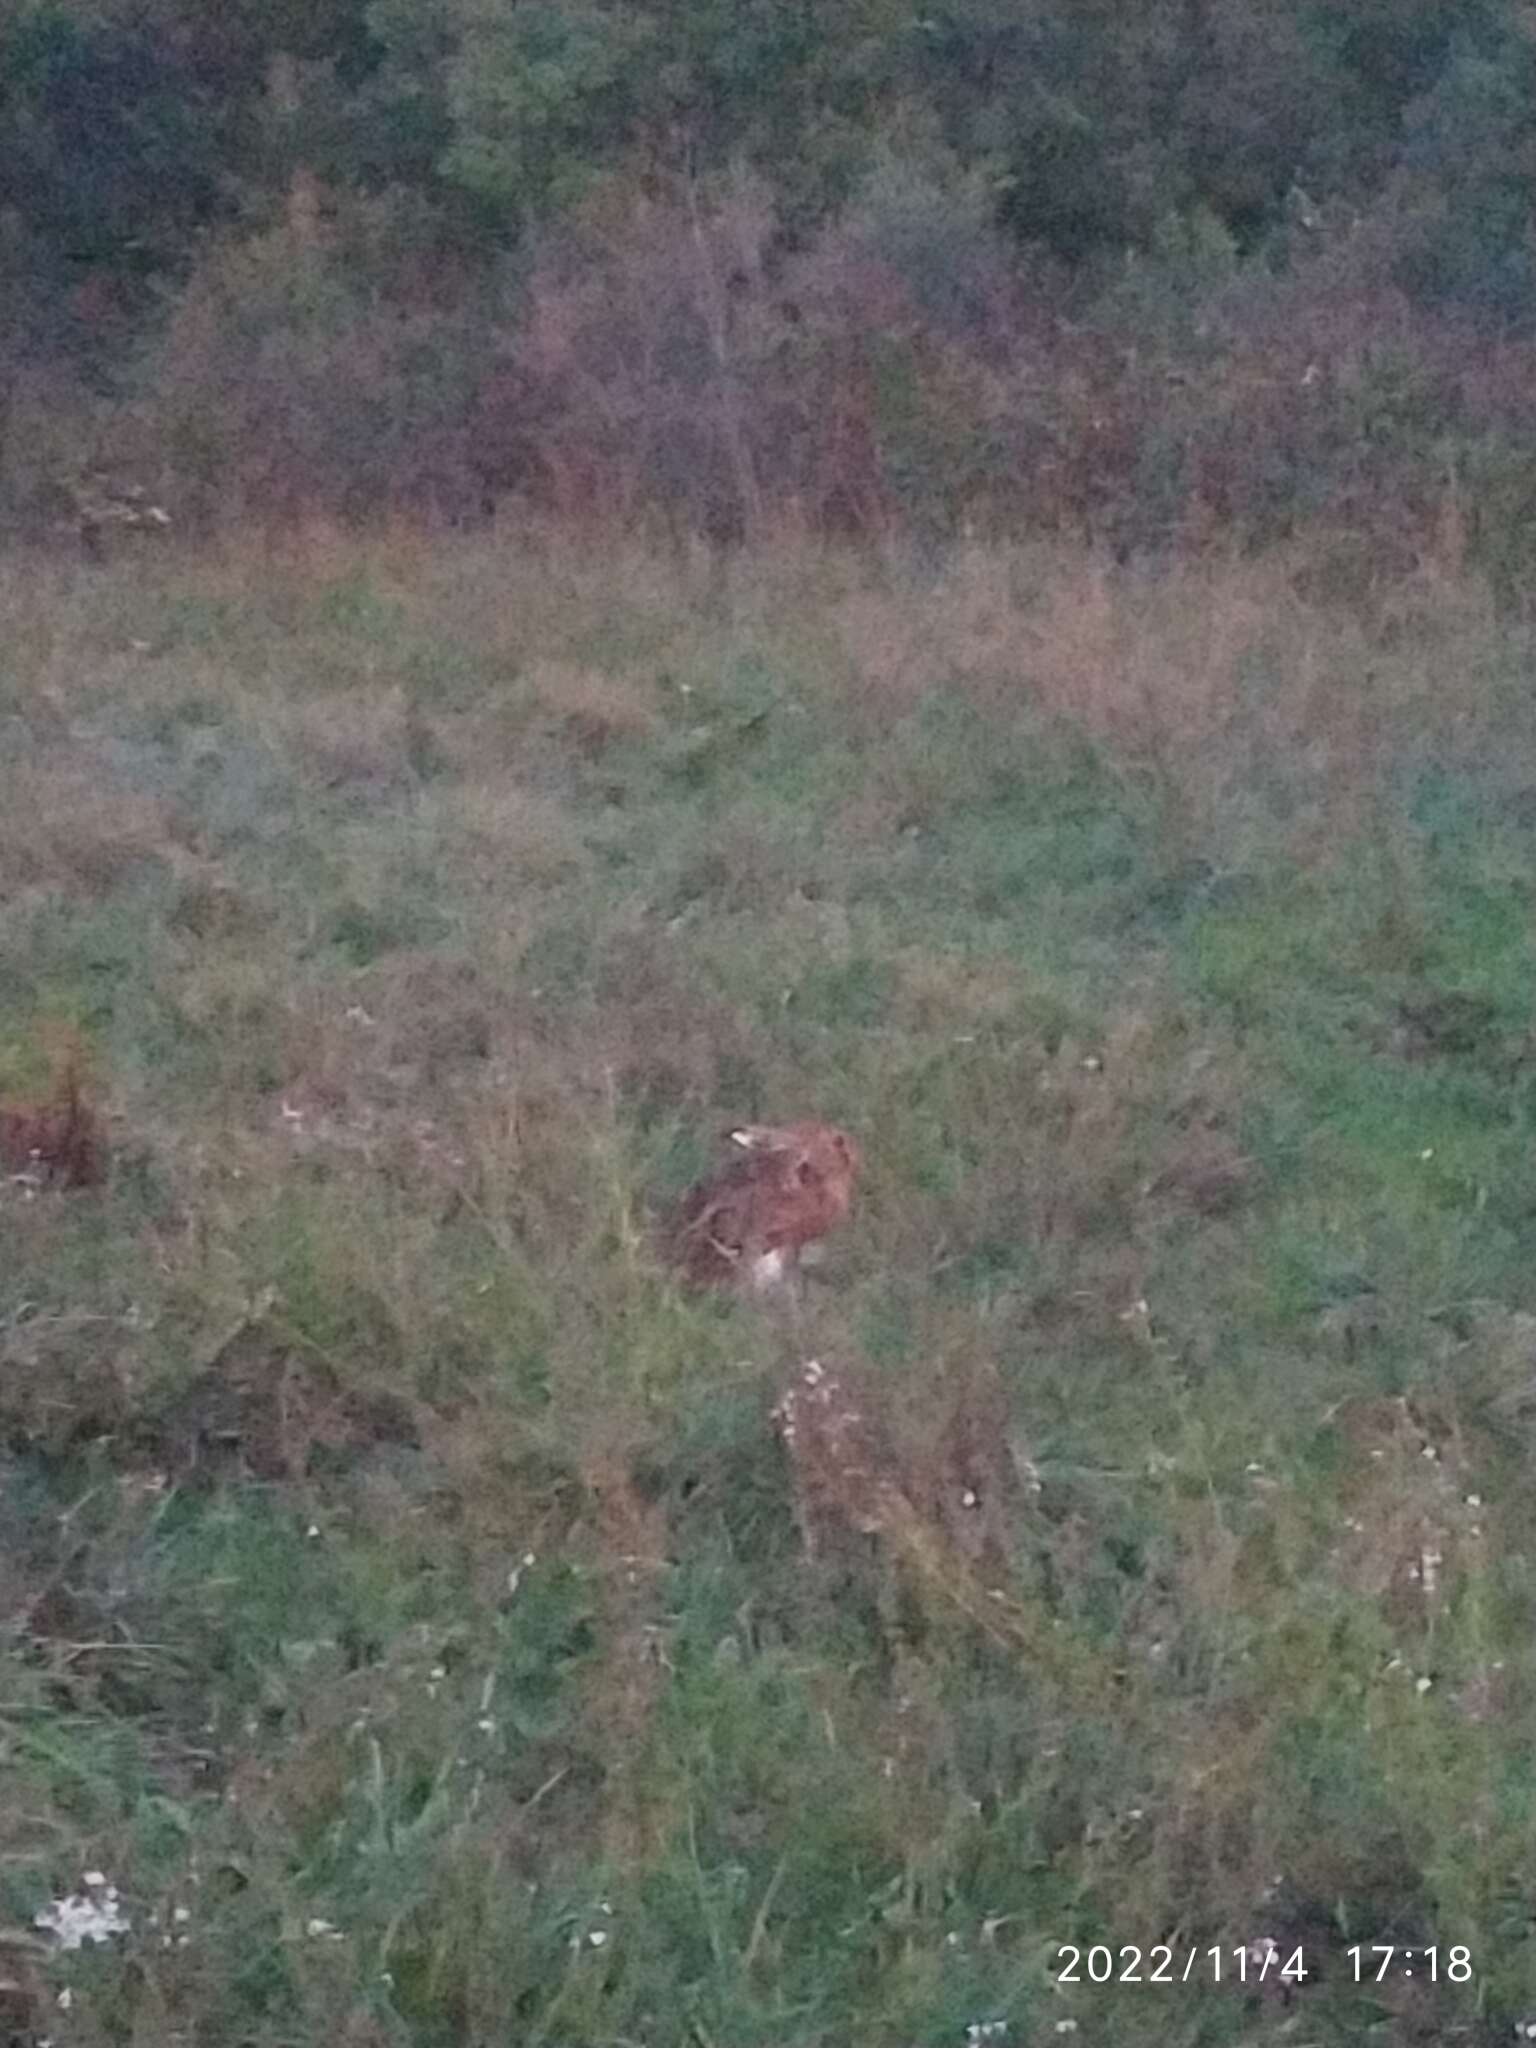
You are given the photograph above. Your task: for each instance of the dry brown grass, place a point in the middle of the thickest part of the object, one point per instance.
(1409, 1531)
(628, 1538)
(56, 1139)
(1196, 682)
(594, 708)
(59, 825)
(942, 1490)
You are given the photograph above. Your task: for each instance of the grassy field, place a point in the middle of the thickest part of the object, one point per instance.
(403, 1596)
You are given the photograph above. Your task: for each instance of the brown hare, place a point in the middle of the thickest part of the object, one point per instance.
(746, 1224)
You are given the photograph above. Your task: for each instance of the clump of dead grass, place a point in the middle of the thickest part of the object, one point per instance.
(358, 741)
(945, 1503)
(1204, 684)
(625, 1531)
(63, 822)
(1408, 1534)
(55, 1138)
(593, 707)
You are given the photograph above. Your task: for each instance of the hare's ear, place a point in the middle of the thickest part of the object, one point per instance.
(758, 1138)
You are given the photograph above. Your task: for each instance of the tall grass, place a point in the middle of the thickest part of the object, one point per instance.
(404, 1593)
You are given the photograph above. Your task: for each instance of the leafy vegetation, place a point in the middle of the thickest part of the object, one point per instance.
(405, 1602)
(1150, 277)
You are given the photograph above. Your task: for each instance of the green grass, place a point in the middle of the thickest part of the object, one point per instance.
(401, 1595)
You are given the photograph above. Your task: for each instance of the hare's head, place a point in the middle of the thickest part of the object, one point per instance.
(823, 1146)
(815, 1160)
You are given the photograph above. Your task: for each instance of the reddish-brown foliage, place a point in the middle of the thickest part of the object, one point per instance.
(680, 368)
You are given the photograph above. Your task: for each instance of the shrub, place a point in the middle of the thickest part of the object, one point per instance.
(296, 375)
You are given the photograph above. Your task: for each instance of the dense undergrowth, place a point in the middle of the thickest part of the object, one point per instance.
(401, 1595)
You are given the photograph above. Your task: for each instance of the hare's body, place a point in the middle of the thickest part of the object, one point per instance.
(747, 1224)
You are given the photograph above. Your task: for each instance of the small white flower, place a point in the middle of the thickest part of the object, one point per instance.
(598, 1937)
(1422, 1684)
